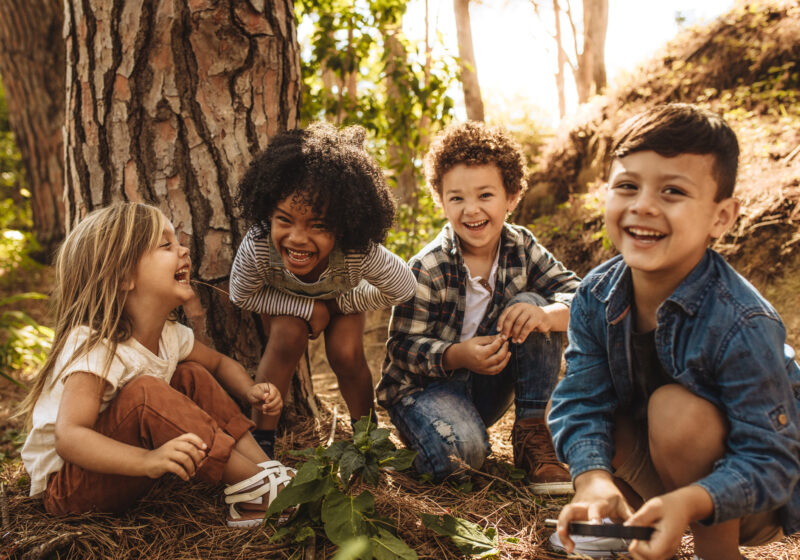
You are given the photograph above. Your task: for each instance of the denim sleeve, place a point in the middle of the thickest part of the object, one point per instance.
(762, 465)
(582, 414)
(413, 343)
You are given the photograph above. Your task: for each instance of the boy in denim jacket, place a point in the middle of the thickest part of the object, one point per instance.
(680, 390)
(485, 325)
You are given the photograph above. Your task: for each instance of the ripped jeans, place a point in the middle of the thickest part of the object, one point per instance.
(450, 417)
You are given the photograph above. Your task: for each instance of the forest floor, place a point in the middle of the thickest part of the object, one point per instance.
(179, 520)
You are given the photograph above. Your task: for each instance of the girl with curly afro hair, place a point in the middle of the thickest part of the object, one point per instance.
(312, 261)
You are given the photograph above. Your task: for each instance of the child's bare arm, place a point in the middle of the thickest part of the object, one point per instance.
(236, 380)
(78, 443)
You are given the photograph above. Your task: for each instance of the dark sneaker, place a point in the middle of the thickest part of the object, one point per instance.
(533, 452)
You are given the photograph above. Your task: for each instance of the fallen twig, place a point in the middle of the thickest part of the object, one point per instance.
(46, 549)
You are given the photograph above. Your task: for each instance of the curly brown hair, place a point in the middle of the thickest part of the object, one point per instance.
(329, 170)
(474, 143)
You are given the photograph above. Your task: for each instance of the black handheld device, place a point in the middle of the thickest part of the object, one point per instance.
(613, 530)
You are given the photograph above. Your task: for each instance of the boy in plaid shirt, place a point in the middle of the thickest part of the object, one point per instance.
(485, 325)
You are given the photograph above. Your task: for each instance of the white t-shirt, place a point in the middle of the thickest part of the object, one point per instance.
(131, 360)
(477, 300)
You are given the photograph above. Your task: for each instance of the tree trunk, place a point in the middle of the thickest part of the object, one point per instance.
(401, 157)
(591, 76)
(32, 68)
(561, 61)
(169, 101)
(466, 61)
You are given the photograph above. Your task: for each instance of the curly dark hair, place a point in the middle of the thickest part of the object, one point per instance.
(329, 170)
(474, 143)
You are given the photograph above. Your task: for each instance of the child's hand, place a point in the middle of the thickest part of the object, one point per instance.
(596, 497)
(669, 515)
(517, 321)
(486, 355)
(179, 456)
(267, 396)
(320, 317)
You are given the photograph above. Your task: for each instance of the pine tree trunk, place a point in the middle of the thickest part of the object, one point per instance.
(169, 101)
(32, 69)
(466, 61)
(401, 157)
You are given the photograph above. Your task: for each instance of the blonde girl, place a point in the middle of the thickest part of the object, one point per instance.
(127, 395)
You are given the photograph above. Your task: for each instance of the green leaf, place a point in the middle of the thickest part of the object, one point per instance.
(364, 426)
(335, 450)
(351, 461)
(385, 546)
(343, 515)
(402, 459)
(371, 474)
(308, 471)
(470, 539)
(295, 494)
(303, 534)
(357, 548)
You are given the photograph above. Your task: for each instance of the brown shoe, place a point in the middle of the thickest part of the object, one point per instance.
(533, 451)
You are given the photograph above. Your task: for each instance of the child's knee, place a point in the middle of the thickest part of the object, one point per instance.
(680, 421)
(288, 335)
(345, 358)
(447, 446)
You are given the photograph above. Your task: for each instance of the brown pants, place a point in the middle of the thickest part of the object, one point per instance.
(147, 413)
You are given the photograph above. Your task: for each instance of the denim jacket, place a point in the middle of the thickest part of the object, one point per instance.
(717, 337)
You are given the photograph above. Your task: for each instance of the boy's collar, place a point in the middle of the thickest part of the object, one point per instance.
(615, 288)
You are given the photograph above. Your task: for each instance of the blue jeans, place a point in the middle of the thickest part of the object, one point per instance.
(449, 418)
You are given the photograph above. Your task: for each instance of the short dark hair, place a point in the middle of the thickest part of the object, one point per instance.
(474, 143)
(329, 170)
(680, 128)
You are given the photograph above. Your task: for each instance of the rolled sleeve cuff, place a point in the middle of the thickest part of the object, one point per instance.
(436, 357)
(566, 299)
(586, 456)
(730, 494)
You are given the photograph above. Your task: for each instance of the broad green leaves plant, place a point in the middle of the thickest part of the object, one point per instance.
(319, 494)
(467, 536)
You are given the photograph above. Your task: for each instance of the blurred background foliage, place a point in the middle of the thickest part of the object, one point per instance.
(24, 343)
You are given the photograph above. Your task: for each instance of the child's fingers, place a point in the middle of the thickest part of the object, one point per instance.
(507, 319)
(194, 439)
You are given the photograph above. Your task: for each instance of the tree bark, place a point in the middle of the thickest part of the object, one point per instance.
(591, 76)
(401, 157)
(32, 68)
(466, 62)
(169, 101)
(561, 61)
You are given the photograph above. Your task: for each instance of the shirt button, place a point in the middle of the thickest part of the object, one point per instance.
(782, 420)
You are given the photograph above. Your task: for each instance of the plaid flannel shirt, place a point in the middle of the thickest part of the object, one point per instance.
(422, 328)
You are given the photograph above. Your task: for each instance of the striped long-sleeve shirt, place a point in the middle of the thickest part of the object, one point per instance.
(373, 279)
(422, 328)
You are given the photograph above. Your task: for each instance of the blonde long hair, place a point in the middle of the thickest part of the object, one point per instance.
(92, 266)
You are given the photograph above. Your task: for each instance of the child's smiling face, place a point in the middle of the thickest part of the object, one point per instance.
(162, 274)
(661, 211)
(475, 202)
(301, 238)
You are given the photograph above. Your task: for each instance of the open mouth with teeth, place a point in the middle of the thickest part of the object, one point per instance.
(299, 257)
(644, 234)
(182, 275)
(475, 225)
